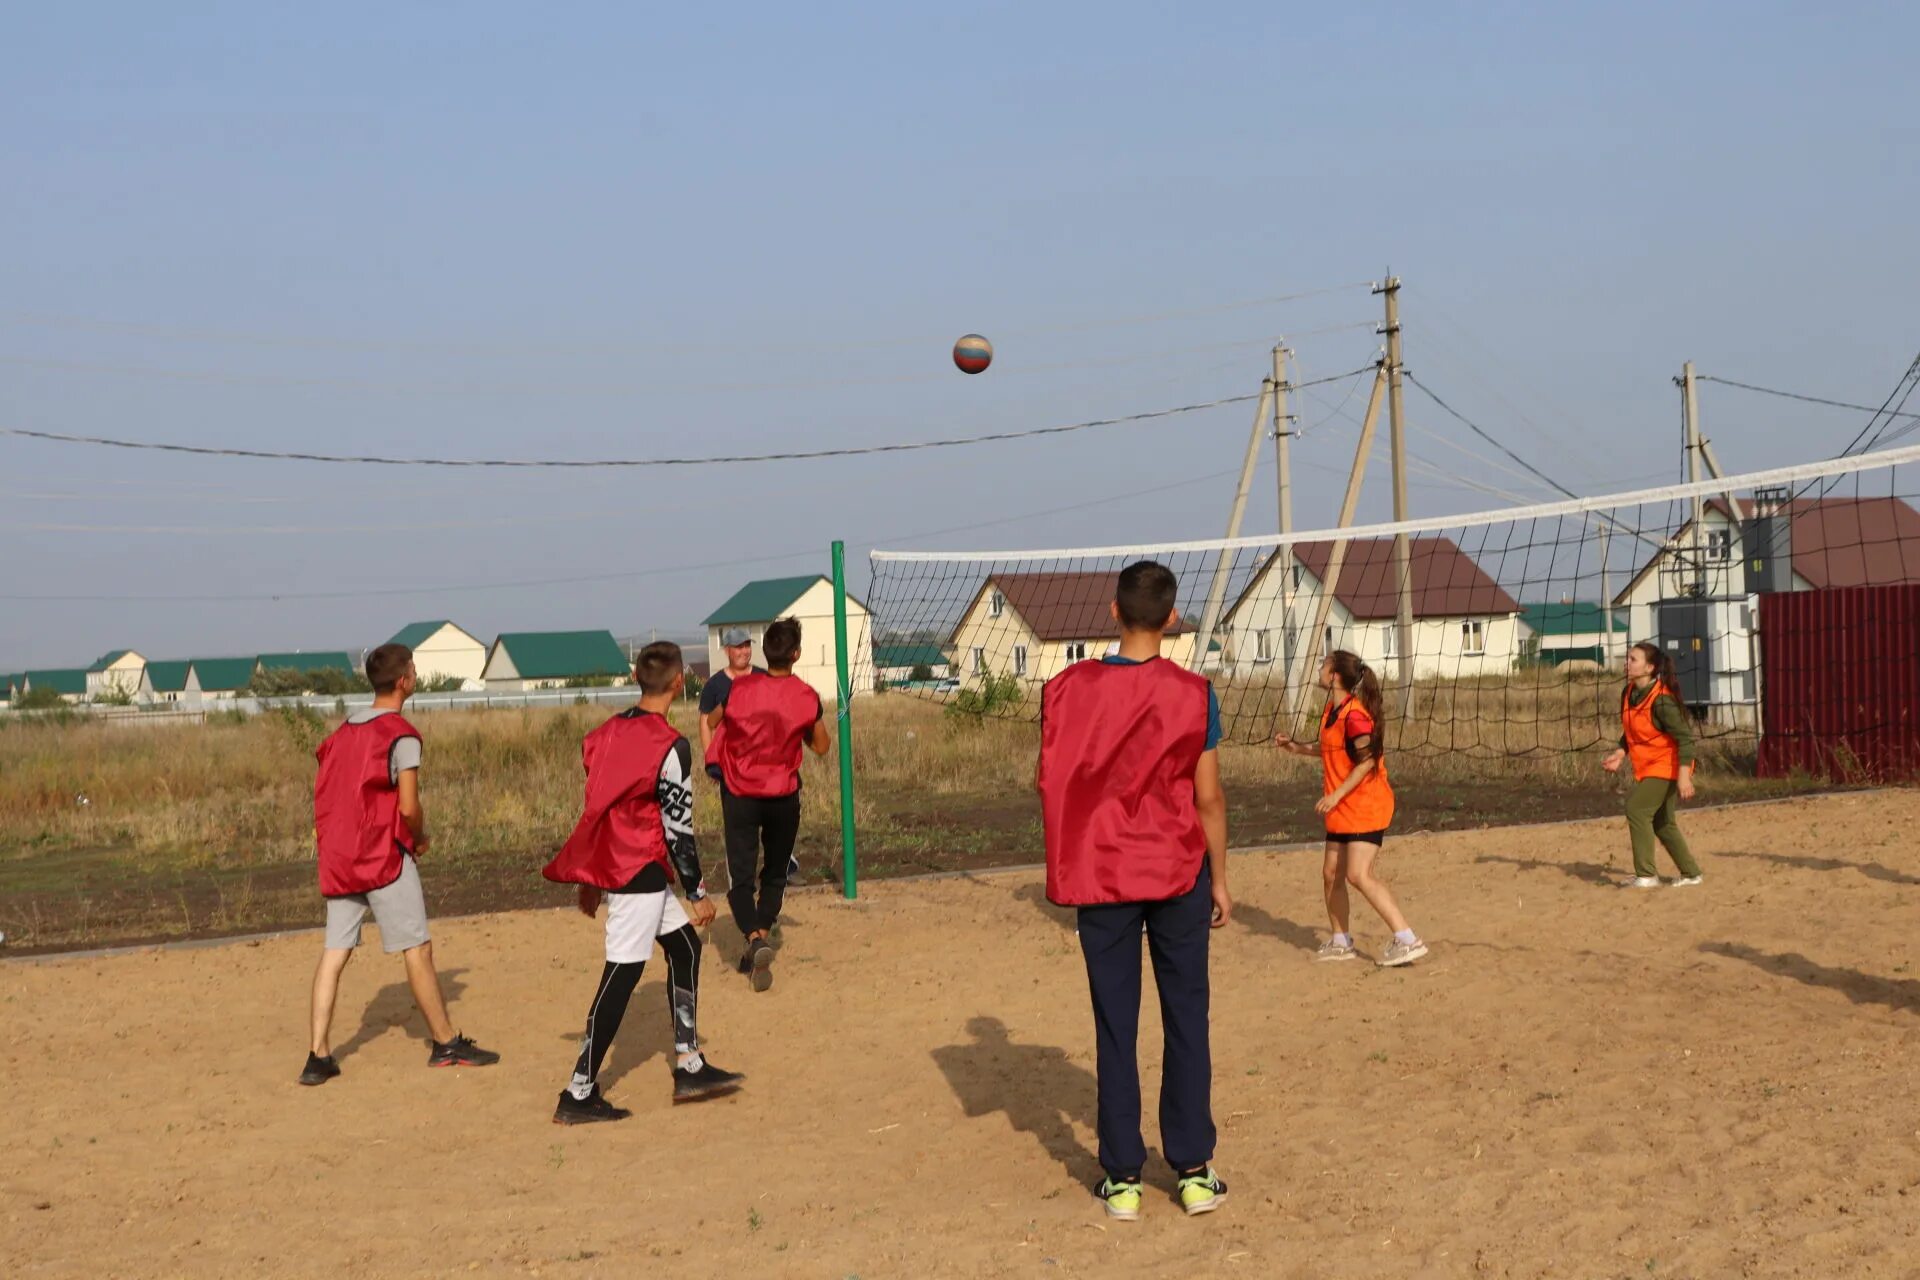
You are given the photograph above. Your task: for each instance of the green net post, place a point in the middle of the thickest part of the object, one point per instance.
(844, 714)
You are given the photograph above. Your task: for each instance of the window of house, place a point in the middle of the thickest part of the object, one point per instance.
(1473, 637)
(1077, 651)
(979, 662)
(996, 605)
(1326, 642)
(1262, 647)
(1019, 659)
(1390, 640)
(1719, 544)
(1299, 576)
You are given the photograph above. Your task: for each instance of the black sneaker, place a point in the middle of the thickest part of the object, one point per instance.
(588, 1110)
(707, 1081)
(759, 960)
(319, 1070)
(461, 1052)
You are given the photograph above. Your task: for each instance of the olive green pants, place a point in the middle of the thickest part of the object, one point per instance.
(1650, 817)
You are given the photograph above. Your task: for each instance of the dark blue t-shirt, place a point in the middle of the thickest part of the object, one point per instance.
(1214, 733)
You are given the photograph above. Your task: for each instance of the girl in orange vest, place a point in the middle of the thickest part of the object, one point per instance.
(1357, 801)
(1654, 734)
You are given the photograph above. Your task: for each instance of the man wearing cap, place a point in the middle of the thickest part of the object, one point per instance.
(739, 648)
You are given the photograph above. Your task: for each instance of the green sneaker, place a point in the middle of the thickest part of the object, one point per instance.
(1122, 1198)
(1201, 1191)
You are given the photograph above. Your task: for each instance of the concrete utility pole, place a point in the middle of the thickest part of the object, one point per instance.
(1223, 567)
(1690, 412)
(1283, 458)
(1402, 545)
(1310, 643)
(1606, 595)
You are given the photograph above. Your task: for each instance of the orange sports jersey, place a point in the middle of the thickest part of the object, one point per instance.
(1369, 806)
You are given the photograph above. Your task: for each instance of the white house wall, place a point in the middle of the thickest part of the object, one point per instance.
(818, 664)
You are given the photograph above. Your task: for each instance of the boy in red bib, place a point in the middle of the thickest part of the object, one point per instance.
(634, 838)
(1136, 837)
(369, 826)
(769, 717)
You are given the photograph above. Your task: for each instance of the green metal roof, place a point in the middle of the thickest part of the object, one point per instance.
(415, 634)
(762, 601)
(1578, 617)
(167, 677)
(318, 660)
(218, 675)
(558, 655)
(106, 660)
(60, 679)
(908, 655)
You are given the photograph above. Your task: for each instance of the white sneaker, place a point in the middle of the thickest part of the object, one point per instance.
(1641, 882)
(1331, 950)
(1684, 881)
(1399, 953)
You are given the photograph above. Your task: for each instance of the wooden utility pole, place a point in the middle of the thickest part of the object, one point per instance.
(1223, 567)
(1402, 545)
(1310, 643)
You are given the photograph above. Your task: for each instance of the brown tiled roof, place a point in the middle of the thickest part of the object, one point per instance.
(1065, 606)
(1850, 542)
(1446, 581)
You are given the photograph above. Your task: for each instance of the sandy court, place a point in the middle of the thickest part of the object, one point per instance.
(1580, 1082)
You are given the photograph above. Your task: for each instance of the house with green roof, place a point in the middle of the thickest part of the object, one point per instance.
(895, 663)
(217, 679)
(809, 601)
(69, 682)
(317, 660)
(117, 671)
(522, 660)
(163, 683)
(10, 685)
(443, 652)
(1572, 630)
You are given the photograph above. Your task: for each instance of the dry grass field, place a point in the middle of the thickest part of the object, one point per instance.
(203, 829)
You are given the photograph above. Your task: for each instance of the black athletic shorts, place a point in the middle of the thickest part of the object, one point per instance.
(1357, 837)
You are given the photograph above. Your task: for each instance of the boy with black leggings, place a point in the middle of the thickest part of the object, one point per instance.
(634, 838)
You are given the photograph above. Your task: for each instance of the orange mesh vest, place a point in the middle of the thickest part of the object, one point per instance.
(1652, 750)
(1369, 806)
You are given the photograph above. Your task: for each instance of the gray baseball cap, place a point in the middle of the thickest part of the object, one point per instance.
(735, 635)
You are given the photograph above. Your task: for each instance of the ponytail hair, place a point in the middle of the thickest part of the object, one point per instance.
(1359, 679)
(1662, 663)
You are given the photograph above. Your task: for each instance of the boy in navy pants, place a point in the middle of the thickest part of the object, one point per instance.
(1136, 838)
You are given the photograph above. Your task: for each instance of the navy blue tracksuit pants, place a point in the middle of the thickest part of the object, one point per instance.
(1177, 932)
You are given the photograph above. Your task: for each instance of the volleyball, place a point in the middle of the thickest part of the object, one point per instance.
(972, 354)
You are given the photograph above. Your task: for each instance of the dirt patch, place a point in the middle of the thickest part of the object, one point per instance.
(1579, 1082)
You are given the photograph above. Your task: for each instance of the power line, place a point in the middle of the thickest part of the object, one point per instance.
(718, 460)
(628, 575)
(1794, 395)
(1474, 427)
(622, 349)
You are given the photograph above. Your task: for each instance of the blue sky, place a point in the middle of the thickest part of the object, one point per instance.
(619, 231)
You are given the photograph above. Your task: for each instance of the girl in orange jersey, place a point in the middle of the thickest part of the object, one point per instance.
(1357, 802)
(1655, 736)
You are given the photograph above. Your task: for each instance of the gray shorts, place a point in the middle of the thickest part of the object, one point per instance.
(400, 909)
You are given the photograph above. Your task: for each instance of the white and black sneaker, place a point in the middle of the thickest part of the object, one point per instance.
(591, 1109)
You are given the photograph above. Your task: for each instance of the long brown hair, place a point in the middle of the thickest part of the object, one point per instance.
(1359, 680)
(1662, 666)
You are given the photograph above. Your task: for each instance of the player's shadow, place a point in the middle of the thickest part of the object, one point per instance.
(392, 1006)
(1861, 988)
(1871, 870)
(646, 1032)
(1041, 1091)
(1255, 920)
(1035, 895)
(1589, 872)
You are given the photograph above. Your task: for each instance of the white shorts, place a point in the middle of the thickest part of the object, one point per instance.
(634, 920)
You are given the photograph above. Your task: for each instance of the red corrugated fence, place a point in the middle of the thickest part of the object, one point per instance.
(1840, 672)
